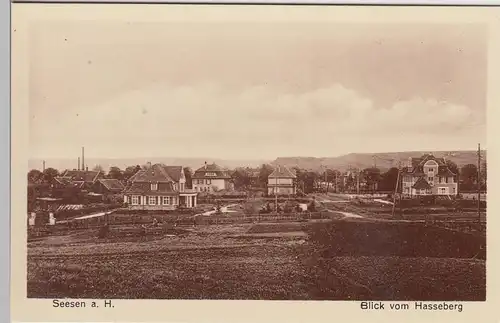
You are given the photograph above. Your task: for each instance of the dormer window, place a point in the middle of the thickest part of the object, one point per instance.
(154, 186)
(211, 174)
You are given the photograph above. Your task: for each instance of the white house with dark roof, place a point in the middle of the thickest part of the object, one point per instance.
(428, 175)
(211, 178)
(281, 182)
(159, 187)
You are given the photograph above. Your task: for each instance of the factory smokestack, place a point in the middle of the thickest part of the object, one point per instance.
(83, 157)
(78, 163)
(43, 166)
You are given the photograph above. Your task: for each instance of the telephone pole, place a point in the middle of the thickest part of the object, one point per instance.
(396, 190)
(357, 180)
(479, 184)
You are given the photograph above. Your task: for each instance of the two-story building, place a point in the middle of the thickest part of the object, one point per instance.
(211, 178)
(281, 182)
(428, 175)
(159, 187)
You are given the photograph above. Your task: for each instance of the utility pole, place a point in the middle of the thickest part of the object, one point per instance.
(479, 184)
(336, 184)
(357, 180)
(396, 190)
(326, 179)
(276, 196)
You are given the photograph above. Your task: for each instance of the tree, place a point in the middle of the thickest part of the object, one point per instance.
(468, 175)
(115, 173)
(188, 173)
(35, 176)
(453, 167)
(372, 176)
(49, 174)
(389, 179)
(264, 172)
(241, 178)
(130, 171)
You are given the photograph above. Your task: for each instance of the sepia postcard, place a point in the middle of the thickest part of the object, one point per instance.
(254, 163)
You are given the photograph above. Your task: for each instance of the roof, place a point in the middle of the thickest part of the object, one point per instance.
(68, 182)
(82, 175)
(282, 172)
(143, 188)
(112, 184)
(417, 168)
(445, 171)
(421, 184)
(175, 172)
(154, 174)
(207, 170)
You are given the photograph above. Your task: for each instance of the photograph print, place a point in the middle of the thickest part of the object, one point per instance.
(257, 160)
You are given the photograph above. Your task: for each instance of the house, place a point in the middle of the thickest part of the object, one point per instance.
(66, 189)
(212, 178)
(84, 177)
(281, 182)
(108, 186)
(159, 187)
(428, 175)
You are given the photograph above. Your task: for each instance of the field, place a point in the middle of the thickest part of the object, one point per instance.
(314, 260)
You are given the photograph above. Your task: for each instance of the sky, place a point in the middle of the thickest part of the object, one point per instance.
(254, 90)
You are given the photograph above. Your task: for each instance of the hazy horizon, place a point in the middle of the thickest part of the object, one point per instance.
(245, 91)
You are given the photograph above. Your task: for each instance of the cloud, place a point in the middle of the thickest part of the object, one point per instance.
(209, 118)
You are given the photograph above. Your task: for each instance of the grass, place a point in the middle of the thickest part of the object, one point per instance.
(285, 261)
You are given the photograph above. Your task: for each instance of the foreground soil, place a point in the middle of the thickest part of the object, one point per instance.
(286, 261)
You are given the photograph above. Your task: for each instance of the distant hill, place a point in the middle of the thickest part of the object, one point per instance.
(383, 161)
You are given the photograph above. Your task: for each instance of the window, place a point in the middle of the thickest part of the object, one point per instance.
(182, 187)
(211, 174)
(209, 181)
(431, 180)
(152, 200)
(135, 199)
(166, 200)
(154, 186)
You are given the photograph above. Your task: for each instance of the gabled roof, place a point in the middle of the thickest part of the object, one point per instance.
(88, 176)
(68, 182)
(417, 168)
(175, 172)
(112, 184)
(421, 184)
(154, 174)
(282, 172)
(445, 171)
(158, 173)
(207, 169)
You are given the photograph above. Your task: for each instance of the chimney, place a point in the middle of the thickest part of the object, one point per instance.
(83, 157)
(87, 168)
(205, 165)
(78, 163)
(43, 166)
(149, 164)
